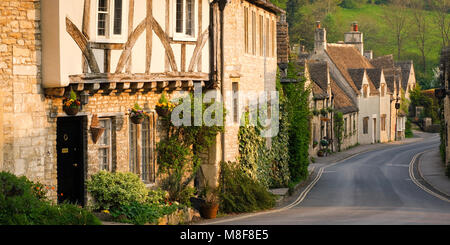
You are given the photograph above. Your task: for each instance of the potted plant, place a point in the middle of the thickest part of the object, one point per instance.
(164, 106)
(137, 114)
(315, 143)
(321, 153)
(71, 105)
(210, 206)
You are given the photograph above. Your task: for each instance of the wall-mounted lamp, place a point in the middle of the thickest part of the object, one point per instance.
(84, 98)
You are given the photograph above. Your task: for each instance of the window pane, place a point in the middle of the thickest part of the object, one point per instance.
(118, 17)
(190, 17)
(103, 5)
(133, 148)
(179, 16)
(101, 26)
(145, 150)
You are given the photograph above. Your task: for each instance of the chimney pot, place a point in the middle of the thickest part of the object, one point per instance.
(355, 26)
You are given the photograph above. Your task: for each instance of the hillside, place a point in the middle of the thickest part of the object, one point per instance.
(378, 34)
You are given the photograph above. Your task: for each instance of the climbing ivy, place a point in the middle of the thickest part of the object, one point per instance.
(339, 128)
(299, 115)
(266, 162)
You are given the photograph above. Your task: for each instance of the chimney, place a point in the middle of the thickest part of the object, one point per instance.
(368, 54)
(320, 38)
(355, 37)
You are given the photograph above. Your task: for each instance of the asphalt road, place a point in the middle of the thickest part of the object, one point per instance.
(370, 188)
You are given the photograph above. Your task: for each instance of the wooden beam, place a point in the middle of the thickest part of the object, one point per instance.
(86, 18)
(82, 43)
(167, 29)
(132, 38)
(196, 56)
(165, 42)
(130, 30)
(149, 36)
(183, 57)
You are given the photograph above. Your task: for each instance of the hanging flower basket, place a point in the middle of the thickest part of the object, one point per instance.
(137, 114)
(71, 106)
(137, 120)
(164, 106)
(162, 111)
(71, 111)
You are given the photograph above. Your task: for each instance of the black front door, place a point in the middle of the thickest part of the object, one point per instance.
(70, 169)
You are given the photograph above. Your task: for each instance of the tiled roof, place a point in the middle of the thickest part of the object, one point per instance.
(358, 76)
(392, 74)
(386, 61)
(347, 57)
(342, 102)
(318, 71)
(406, 67)
(318, 92)
(375, 76)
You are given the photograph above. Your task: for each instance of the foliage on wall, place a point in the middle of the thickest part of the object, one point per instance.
(339, 128)
(179, 154)
(269, 164)
(297, 107)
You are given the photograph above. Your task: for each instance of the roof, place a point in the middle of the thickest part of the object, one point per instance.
(375, 76)
(318, 92)
(347, 57)
(266, 4)
(318, 71)
(386, 61)
(406, 67)
(358, 76)
(392, 73)
(342, 102)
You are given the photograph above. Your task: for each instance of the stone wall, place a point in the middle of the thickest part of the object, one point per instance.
(253, 73)
(28, 147)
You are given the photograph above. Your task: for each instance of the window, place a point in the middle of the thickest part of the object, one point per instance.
(383, 89)
(109, 18)
(261, 35)
(383, 122)
(246, 29)
(365, 90)
(345, 127)
(142, 147)
(235, 88)
(105, 145)
(274, 36)
(366, 125)
(266, 52)
(185, 18)
(253, 33)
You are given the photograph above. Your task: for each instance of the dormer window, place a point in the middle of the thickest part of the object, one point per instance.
(365, 90)
(110, 20)
(184, 19)
(383, 89)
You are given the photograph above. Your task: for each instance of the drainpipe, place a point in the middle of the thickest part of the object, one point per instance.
(222, 5)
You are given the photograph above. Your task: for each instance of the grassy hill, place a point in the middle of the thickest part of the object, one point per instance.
(378, 35)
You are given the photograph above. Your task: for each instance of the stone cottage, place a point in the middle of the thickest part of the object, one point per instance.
(112, 54)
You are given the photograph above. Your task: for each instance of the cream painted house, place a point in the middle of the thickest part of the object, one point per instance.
(112, 54)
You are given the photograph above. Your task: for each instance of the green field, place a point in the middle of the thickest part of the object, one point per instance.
(378, 36)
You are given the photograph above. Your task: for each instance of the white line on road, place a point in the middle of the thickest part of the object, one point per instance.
(413, 178)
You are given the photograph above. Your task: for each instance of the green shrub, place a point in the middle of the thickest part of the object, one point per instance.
(408, 129)
(142, 213)
(115, 189)
(239, 193)
(23, 202)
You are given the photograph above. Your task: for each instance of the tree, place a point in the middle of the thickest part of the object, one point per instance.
(442, 19)
(396, 16)
(421, 32)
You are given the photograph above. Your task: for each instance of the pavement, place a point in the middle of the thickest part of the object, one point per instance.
(432, 170)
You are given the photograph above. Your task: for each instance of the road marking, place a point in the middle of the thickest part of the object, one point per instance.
(413, 178)
(297, 201)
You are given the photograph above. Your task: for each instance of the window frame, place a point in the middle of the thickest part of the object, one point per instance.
(366, 125)
(182, 36)
(137, 147)
(100, 146)
(109, 36)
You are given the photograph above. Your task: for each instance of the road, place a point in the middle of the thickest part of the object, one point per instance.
(371, 188)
